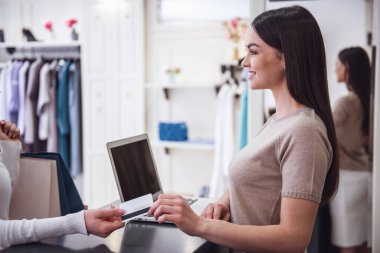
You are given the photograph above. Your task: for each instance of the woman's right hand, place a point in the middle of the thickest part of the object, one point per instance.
(9, 131)
(217, 211)
(102, 222)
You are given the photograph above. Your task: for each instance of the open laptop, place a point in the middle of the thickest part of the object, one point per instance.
(136, 174)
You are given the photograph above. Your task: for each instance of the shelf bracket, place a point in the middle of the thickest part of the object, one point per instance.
(217, 89)
(166, 92)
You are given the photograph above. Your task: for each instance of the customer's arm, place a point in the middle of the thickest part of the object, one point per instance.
(97, 222)
(23, 231)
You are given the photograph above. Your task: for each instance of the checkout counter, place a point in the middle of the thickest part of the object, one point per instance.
(141, 237)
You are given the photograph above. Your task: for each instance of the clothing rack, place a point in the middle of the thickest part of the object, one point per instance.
(45, 51)
(48, 110)
(234, 70)
(230, 75)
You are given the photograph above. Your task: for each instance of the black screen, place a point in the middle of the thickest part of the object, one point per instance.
(135, 169)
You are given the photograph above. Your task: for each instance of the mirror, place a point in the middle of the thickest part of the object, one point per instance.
(350, 27)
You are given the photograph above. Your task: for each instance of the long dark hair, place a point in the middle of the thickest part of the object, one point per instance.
(356, 61)
(295, 32)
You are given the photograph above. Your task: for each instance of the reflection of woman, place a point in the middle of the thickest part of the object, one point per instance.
(97, 222)
(279, 179)
(349, 208)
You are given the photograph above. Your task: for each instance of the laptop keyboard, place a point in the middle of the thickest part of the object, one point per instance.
(190, 201)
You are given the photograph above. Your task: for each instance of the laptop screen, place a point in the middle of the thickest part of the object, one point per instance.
(135, 168)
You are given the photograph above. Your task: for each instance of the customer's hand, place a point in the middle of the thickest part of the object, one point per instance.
(9, 131)
(216, 211)
(103, 222)
(173, 208)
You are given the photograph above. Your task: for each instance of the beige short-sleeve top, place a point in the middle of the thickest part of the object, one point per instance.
(289, 157)
(348, 118)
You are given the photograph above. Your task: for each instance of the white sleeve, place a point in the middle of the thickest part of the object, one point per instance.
(23, 231)
(10, 157)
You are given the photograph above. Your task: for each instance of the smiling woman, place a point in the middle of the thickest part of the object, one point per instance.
(279, 180)
(266, 64)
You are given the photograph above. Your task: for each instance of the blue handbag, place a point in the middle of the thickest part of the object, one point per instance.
(173, 131)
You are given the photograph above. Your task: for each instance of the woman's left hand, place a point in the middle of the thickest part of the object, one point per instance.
(173, 208)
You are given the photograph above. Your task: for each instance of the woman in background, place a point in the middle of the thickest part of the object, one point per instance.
(279, 180)
(349, 208)
(97, 222)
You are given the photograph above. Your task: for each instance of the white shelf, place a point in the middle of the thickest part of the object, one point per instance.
(166, 87)
(39, 44)
(194, 145)
(179, 85)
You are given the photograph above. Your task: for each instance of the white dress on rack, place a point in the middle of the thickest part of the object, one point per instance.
(224, 140)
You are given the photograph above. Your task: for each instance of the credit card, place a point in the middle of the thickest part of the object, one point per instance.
(136, 207)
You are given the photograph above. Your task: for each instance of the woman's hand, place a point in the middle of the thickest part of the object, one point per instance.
(9, 131)
(173, 208)
(102, 222)
(217, 211)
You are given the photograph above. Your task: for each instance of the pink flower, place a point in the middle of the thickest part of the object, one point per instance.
(48, 26)
(234, 22)
(235, 28)
(173, 70)
(71, 22)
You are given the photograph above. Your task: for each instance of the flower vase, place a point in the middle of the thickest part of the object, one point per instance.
(74, 35)
(171, 78)
(51, 36)
(236, 56)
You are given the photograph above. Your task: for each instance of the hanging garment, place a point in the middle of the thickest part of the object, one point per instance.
(4, 76)
(43, 102)
(69, 197)
(31, 119)
(14, 99)
(75, 119)
(224, 140)
(1, 92)
(243, 133)
(63, 117)
(229, 130)
(23, 78)
(52, 142)
(8, 92)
